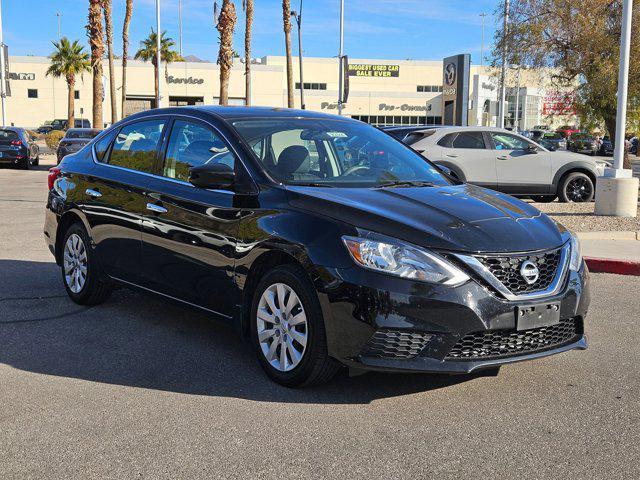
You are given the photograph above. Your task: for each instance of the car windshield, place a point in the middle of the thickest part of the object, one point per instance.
(335, 153)
(552, 136)
(8, 135)
(81, 133)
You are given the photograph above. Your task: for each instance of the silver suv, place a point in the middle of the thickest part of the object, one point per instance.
(508, 162)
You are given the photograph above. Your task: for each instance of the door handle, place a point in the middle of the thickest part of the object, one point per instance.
(93, 193)
(156, 208)
(451, 155)
(503, 157)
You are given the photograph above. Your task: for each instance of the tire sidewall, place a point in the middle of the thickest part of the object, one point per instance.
(82, 296)
(294, 278)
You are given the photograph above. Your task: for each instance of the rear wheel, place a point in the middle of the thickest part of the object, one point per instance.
(288, 331)
(25, 164)
(81, 274)
(36, 161)
(576, 187)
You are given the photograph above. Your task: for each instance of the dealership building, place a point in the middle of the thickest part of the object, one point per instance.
(381, 92)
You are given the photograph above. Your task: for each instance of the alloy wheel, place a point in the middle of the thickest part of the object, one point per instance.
(75, 263)
(282, 327)
(579, 189)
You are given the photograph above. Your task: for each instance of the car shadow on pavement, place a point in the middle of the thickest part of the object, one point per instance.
(142, 341)
(35, 168)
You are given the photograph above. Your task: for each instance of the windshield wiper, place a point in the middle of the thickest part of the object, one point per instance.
(406, 183)
(312, 184)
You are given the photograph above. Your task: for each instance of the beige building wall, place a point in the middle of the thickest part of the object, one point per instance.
(377, 99)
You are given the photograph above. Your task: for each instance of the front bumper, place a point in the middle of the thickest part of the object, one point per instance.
(360, 305)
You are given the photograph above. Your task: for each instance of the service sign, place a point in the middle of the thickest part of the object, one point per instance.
(371, 70)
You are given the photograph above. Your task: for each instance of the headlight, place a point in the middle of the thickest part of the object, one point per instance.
(402, 260)
(576, 256)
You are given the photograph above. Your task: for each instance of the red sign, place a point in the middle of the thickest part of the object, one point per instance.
(559, 103)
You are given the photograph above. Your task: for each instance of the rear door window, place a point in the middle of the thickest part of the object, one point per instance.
(136, 145)
(469, 140)
(102, 146)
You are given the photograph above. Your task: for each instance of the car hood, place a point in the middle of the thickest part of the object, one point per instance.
(566, 156)
(458, 218)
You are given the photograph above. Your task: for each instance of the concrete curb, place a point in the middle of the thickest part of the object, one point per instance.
(608, 265)
(607, 235)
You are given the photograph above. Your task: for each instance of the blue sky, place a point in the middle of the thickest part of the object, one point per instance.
(391, 29)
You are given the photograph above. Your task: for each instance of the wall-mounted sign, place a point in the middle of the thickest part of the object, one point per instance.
(22, 76)
(405, 107)
(188, 80)
(370, 70)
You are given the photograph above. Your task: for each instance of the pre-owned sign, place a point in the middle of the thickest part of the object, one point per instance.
(371, 70)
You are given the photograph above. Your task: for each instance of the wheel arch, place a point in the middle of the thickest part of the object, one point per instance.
(66, 220)
(580, 167)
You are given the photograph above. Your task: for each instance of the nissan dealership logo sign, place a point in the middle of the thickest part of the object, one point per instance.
(450, 74)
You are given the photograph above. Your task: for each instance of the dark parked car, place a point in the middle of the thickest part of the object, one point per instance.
(74, 139)
(62, 123)
(18, 148)
(583, 143)
(606, 147)
(634, 146)
(45, 128)
(251, 216)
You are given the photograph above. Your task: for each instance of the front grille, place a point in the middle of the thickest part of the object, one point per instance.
(396, 344)
(506, 269)
(505, 343)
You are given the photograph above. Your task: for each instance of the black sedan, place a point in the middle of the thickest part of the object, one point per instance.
(364, 255)
(18, 148)
(74, 140)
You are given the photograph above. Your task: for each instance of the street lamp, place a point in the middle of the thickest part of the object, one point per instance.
(503, 67)
(298, 17)
(617, 191)
(158, 52)
(340, 56)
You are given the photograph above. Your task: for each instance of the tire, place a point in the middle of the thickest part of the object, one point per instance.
(576, 187)
(95, 289)
(543, 198)
(26, 165)
(314, 365)
(36, 161)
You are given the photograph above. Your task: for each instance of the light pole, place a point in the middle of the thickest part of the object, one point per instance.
(3, 80)
(180, 25)
(58, 14)
(340, 55)
(482, 15)
(617, 191)
(516, 122)
(158, 52)
(298, 17)
(503, 69)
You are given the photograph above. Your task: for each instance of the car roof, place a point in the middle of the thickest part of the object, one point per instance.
(238, 112)
(12, 129)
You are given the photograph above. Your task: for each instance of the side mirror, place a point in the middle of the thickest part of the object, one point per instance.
(443, 169)
(532, 149)
(212, 176)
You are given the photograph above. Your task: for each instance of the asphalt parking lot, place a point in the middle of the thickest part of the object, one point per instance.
(139, 387)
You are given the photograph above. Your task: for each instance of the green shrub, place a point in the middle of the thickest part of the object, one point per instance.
(52, 139)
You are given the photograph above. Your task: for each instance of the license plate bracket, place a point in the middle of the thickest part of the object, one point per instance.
(536, 316)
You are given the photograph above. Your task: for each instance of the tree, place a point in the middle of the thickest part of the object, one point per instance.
(108, 24)
(125, 51)
(226, 24)
(95, 32)
(247, 5)
(148, 52)
(578, 41)
(69, 60)
(286, 18)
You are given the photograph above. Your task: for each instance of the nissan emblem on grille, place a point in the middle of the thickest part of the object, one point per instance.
(529, 272)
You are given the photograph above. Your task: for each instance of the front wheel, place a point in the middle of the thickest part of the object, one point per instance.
(287, 328)
(576, 187)
(81, 273)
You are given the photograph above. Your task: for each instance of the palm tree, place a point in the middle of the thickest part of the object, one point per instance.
(108, 24)
(95, 32)
(148, 52)
(286, 17)
(226, 24)
(125, 50)
(247, 6)
(68, 60)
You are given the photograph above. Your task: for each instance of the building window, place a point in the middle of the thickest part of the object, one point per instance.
(312, 86)
(76, 94)
(32, 93)
(429, 88)
(398, 120)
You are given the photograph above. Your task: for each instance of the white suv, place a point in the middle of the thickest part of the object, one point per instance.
(508, 162)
